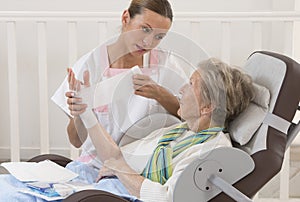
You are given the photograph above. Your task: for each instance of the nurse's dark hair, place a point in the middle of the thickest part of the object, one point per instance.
(161, 7)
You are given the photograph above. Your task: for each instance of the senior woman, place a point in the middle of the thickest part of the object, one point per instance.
(149, 168)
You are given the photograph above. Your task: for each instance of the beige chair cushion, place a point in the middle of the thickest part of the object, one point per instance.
(245, 125)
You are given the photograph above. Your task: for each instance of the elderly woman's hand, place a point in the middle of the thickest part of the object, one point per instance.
(104, 172)
(76, 106)
(113, 167)
(74, 84)
(118, 167)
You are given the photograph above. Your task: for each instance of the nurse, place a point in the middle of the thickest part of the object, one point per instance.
(144, 24)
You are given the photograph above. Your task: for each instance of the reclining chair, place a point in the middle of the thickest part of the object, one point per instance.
(260, 135)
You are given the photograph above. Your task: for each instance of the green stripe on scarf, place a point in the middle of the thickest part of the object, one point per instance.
(159, 167)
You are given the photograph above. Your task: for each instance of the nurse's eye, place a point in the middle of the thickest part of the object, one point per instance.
(146, 29)
(159, 36)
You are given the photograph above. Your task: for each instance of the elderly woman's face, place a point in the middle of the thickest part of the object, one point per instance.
(144, 32)
(190, 103)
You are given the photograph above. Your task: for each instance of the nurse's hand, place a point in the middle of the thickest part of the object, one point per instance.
(146, 87)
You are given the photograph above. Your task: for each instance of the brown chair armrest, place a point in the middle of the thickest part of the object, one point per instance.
(60, 160)
(94, 196)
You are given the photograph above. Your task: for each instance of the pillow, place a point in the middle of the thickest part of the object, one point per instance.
(246, 124)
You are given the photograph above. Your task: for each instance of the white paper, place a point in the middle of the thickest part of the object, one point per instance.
(63, 189)
(47, 198)
(115, 88)
(44, 171)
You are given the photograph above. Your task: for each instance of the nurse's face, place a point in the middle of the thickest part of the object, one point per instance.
(143, 32)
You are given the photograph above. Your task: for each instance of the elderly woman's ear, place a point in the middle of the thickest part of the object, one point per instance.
(206, 110)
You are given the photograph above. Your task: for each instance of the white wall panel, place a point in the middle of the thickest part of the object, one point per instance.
(4, 118)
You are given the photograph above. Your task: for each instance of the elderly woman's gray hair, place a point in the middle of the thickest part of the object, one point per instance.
(226, 88)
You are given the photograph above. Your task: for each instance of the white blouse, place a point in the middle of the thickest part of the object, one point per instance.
(138, 153)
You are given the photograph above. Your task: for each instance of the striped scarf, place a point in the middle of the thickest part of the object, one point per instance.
(159, 167)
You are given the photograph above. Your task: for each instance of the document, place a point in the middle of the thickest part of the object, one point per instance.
(39, 195)
(116, 88)
(44, 171)
(54, 191)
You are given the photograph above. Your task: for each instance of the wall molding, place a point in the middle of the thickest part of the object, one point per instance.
(186, 16)
(29, 152)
